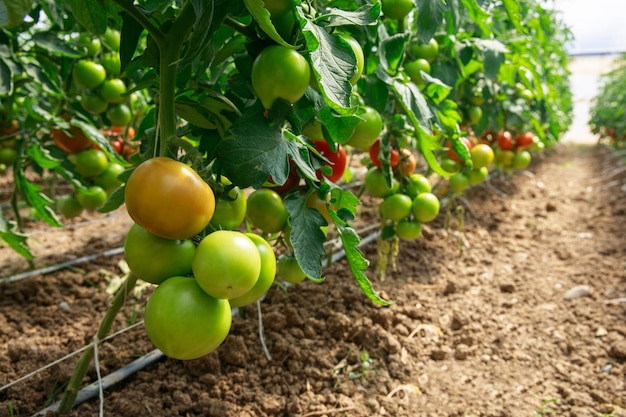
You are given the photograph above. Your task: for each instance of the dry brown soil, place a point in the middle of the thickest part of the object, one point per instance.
(484, 321)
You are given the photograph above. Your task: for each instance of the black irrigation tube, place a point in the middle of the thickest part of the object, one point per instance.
(95, 388)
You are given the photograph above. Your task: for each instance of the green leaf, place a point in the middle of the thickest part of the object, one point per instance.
(478, 15)
(306, 236)
(429, 18)
(339, 128)
(392, 51)
(366, 15)
(34, 197)
(17, 241)
(42, 157)
(428, 145)
(12, 12)
(514, 12)
(114, 201)
(334, 64)
(257, 151)
(358, 263)
(91, 14)
(6, 74)
(51, 43)
(262, 16)
(343, 206)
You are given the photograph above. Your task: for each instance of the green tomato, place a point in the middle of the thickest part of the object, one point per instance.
(112, 39)
(108, 179)
(521, 160)
(183, 321)
(425, 207)
(367, 130)
(458, 182)
(280, 72)
(90, 162)
(112, 63)
(266, 276)
(377, 186)
(415, 68)
(230, 211)
(408, 229)
(419, 184)
(478, 175)
(93, 103)
(88, 74)
(69, 206)
(450, 165)
(92, 45)
(267, 211)
(227, 264)
(92, 198)
(155, 259)
(397, 9)
(474, 114)
(427, 51)
(289, 269)
(360, 58)
(113, 91)
(482, 155)
(119, 115)
(396, 207)
(7, 156)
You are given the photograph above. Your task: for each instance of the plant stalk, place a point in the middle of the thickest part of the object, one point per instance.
(82, 366)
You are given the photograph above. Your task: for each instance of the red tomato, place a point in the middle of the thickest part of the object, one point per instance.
(374, 151)
(524, 140)
(505, 140)
(337, 159)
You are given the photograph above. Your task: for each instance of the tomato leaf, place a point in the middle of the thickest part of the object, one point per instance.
(92, 15)
(429, 18)
(392, 52)
(12, 12)
(257, 151)
(114, 200)
(514, 12)
(55, 46)
(17, 241)
(262, 16)
(306, 236)
(339, 128)
(6, 74)
(334, 63)
(478, 15)
(358, 263)
(366, 15)
(343, 206)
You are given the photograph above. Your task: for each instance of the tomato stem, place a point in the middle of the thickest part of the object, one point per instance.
(136, 14)
(169, 55)
(82, 366)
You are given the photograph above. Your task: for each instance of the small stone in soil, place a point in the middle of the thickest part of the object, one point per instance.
(577, 292)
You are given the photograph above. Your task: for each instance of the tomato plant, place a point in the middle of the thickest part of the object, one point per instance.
(376, 184)
(183, 321)
(169, 199)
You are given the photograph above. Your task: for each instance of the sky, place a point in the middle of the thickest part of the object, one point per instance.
(599, 26)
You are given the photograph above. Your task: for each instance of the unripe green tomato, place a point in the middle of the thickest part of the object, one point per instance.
(93, 103)
(119, 115)
(449, 165)
(397, 9)
(112, 38)
(92, 198)
(477, 176)
(90, 162)
(521, 160)
(367, 130)
(88, 74)
(419, 184)
(230, 211)
(92, 45)
(183, 321)
(227, 264)
(69, 206)
(377, 186)
(396, 207)
(112, 64)
(414, 70)
(427, 51)
(113, 90)
(458, 182)
(425, 207)
(108, 179)
(289, 269)
(408, 229)
(155, 259)
(267, 211)
(360, 58)
(7, 156)
(279, 72)
(266, 276)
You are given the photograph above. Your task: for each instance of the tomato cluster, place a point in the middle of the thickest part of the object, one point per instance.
(188, 315)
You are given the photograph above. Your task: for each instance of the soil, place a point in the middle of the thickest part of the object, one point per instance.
(518, 310)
